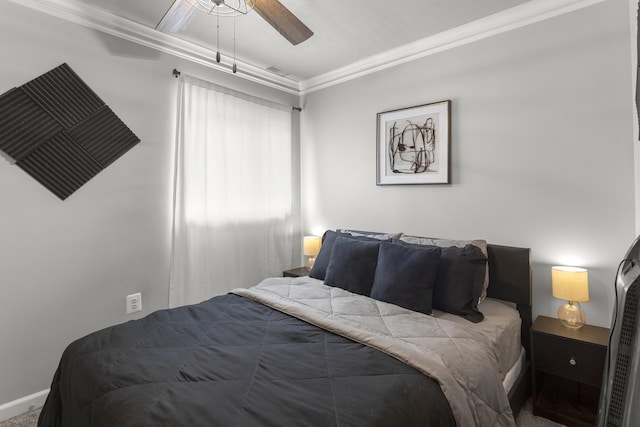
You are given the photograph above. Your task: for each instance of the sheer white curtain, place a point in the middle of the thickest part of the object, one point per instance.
(232, 202)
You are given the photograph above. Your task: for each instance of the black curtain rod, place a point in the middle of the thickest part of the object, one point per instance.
(176, 74)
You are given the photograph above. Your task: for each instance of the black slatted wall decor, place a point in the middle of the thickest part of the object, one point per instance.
(60, 132)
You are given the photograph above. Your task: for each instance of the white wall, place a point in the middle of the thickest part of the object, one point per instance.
(542, 148)
(66, 266)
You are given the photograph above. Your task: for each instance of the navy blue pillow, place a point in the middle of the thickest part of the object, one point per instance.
(406, 275)
(352, 265)
(319, 269)
(460, 282)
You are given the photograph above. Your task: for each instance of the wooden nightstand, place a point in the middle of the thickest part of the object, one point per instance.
(296, 272)
(567, 369)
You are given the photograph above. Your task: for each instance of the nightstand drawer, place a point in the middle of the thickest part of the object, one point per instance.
(577, 361)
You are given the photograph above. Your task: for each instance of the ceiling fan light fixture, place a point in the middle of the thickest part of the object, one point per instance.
(223, 7)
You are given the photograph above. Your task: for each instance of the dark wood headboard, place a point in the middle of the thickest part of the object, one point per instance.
(510, 280)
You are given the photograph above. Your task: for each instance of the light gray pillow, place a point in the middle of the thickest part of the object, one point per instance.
(373, 235)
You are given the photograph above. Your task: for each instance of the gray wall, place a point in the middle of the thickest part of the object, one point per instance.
(66, 267)
(542, 148)
(542, 157)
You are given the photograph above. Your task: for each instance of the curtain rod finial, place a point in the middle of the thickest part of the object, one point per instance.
(176, 73)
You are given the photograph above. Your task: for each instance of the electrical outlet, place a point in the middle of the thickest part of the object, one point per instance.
(134, 303)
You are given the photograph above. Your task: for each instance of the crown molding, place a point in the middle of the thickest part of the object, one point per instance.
(101, 20)
(516, 17)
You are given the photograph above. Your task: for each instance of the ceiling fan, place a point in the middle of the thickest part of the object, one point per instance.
(177, 18)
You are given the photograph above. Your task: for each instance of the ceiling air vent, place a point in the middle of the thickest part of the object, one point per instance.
(277, 71)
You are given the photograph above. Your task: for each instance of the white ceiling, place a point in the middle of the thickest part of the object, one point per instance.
(351, 37)
(345, 31)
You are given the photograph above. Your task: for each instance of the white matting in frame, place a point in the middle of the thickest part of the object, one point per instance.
(413, 145)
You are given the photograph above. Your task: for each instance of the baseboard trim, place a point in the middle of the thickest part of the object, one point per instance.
(22, 405)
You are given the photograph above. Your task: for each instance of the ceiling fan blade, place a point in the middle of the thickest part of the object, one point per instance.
(281, 18)
(177, 17)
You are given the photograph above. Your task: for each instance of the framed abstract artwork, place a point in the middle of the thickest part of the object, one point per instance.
(413, 145)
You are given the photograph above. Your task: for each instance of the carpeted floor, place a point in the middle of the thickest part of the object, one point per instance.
(27, 419)
(525, 419)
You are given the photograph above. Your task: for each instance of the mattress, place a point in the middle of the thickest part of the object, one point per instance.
(501, 325)
(512, 376)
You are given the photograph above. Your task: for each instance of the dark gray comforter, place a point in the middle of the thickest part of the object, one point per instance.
(230, 361)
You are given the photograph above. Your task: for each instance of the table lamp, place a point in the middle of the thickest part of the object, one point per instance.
(571, 284)
(310, 248)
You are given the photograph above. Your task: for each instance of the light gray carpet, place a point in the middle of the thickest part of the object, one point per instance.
(27, 419)
(525, 419)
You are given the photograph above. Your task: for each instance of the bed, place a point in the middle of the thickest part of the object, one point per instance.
(319, 350)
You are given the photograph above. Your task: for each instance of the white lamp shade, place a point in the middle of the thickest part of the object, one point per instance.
(570, 283)
(311, 245)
